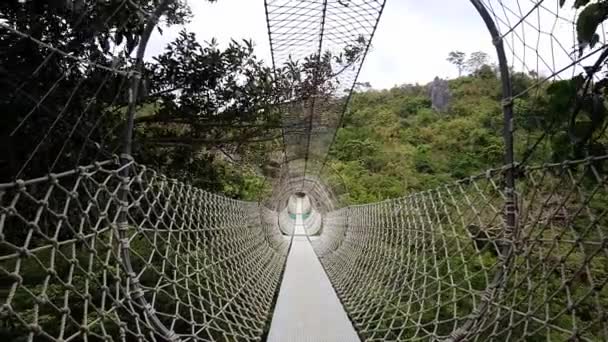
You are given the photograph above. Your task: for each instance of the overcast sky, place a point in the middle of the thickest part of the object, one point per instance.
(411, 44)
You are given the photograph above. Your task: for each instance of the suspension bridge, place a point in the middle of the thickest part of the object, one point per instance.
(110, 249)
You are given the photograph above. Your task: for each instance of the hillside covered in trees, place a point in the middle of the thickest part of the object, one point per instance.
(393, 142)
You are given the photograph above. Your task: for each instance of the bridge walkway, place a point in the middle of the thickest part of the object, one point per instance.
(308, 308)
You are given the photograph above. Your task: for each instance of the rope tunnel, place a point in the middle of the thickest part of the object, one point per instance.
(113, 250)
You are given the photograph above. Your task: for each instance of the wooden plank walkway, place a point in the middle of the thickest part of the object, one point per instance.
(308, 308)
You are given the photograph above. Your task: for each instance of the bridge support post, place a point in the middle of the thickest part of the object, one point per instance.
(471, 326)
(126, 162)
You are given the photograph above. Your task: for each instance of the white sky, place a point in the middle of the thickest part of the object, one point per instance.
(412, 41)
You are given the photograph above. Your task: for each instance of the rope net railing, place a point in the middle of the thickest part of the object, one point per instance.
(94, 246)
(439, 264)
(201, 266)
(513, 254)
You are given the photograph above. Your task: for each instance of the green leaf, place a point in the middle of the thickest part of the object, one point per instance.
(601, 86)
(596, 110)
(130, 42)
(580, 3)
(594, 40)
(581, 131)
(118, 38)
(105, 44)
(560, 145)
(562, 94)
(588, 21)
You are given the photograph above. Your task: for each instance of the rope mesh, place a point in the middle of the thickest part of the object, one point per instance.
(321, 45)
(478, 259)
(438, 264)
(201, 266)
(113, 250)
(117, 251)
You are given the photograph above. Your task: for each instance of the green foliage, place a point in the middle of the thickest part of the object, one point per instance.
(458, 58)
(200, 102)
(241, 183)
(54, 103)
(476, 63)
(394, 143)
(413, 105)
(477, 60)
(582, 100)
(589, 20)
